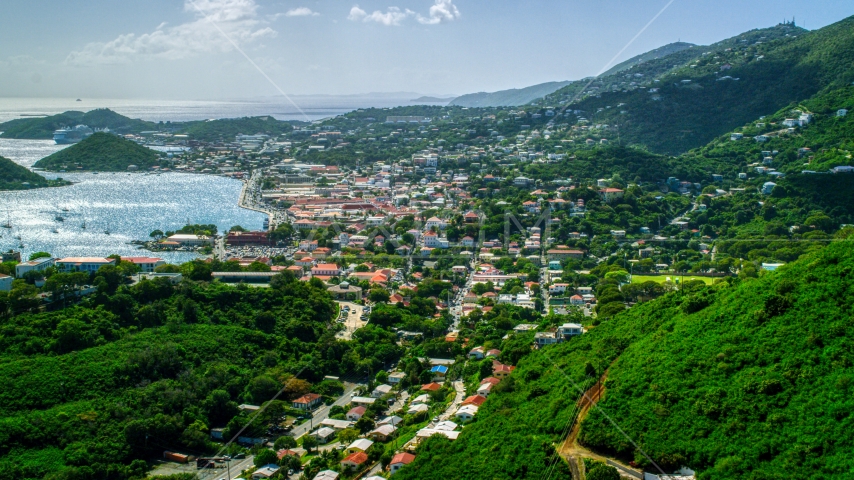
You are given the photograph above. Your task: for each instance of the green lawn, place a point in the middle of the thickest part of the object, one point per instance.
(673, 277)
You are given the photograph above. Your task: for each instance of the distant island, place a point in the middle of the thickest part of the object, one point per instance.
(508, 98)
(16, 177)
(102, 152)
(42, 128)
(431, 100)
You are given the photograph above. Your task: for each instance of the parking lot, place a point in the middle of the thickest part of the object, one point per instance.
(353, 317)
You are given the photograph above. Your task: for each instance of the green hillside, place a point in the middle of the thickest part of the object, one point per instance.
(42, 128)
(226, 129)
(102, 152)
(507, 98)
(647, 70)
(16, 177)
(828, 139)
(748, 379)
(695, 103)
(98, 389)
(654, 54)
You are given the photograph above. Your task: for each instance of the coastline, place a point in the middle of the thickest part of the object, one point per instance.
(241, 202)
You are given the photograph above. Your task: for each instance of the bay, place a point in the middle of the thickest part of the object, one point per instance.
(128, 206)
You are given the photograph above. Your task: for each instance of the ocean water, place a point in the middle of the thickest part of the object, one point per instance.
(310, 107)
(129, 206)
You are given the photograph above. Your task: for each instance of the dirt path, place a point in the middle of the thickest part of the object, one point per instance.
(575, 452)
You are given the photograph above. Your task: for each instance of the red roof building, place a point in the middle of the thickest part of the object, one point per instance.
(431, 387)
(354, 460)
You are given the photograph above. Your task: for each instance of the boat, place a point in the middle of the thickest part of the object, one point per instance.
(84, 225)
(6, 225)
(67, 136)
(54, 231)
(79, 100)
(106, 232)
(64, 209)
(59, 218)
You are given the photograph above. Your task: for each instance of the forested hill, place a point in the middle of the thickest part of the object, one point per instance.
(16, 177)
(745, 379)
(96, 390)
(507, 98)
(102, 152)
(42, 128)
(727, 88)
(227, 129)
(654, 54)
(646, 70)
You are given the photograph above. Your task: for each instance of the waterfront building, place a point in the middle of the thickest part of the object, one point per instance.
(145, 264)
(37, 265)
(83, 264)
(191, 240)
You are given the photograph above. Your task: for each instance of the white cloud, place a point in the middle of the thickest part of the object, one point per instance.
(441, 11)
(392, 17)
(301, 12)
(238, 19)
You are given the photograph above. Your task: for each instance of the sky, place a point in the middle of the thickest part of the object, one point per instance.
(235, 49)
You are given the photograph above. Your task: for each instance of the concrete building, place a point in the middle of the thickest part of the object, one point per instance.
(34, 265)
(83, 264)
(344, 292)
(5, 283)
(191, 240)
(145, 264)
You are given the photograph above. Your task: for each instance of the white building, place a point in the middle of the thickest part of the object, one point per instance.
(568, 330)
(37, 265)
(436, 222)
(83, 264)
(145, 264)
(5, 283)
(375, 221)
(466, 413)
(191, 240)
(545, 338)
(381, 390)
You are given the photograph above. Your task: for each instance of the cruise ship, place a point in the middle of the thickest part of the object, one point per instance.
(66, 136)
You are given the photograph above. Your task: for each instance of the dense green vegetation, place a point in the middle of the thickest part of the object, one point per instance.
(93, 390)
(743, 379)
(42, 128)
(101, 152)
(653, 54)
(771, 74)
(647, 69)
(16, 177)
(227, 129)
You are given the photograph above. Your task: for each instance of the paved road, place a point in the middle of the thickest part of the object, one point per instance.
(458, 400)
(322, 413)
(235, 468)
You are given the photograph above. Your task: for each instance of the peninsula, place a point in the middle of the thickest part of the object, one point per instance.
(16, 177)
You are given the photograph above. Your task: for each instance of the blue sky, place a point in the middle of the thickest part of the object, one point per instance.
(188, 49)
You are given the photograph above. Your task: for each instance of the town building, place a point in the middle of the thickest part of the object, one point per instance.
(83, 264)
(37, 265)
(145, 264)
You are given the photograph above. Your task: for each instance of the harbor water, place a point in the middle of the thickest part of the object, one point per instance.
(115, 208)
